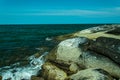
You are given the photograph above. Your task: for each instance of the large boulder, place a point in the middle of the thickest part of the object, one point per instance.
(52, 72)
(91, 74)
(96, 47)
(72, 51)
(68, 50)
(94, 60)
(109, 47)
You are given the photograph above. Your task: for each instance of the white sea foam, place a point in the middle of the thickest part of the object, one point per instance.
(25, 72)
(48, 39)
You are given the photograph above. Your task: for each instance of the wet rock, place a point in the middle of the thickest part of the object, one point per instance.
(0, 77)
(109, 47)
(36, 78)
(51, 72)
(91, 74)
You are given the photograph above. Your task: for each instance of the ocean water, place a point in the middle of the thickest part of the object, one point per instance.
(20, 41)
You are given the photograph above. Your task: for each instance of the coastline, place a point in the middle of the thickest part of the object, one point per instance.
(93, 54)
(72, 57)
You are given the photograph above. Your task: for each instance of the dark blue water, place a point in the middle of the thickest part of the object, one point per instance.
(18, 41)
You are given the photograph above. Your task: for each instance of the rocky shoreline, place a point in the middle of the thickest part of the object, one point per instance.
(90, 54)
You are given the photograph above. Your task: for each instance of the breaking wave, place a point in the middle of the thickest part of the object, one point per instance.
(23, 73)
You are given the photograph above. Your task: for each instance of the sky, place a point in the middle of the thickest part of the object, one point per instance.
(59, 11)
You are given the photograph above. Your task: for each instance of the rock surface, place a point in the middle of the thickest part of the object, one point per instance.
(0, 77)
(91, 74)
(94, 60)
(115, 31)
(51, 72)
(77, 53)
(109, 47)
(94, 32)
(70, 51)
(36, 78)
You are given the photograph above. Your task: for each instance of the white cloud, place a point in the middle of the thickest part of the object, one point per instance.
(73, 12)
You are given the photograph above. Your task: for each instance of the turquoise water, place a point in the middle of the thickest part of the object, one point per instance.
(18, 41)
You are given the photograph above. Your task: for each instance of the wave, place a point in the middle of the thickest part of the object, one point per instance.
(23, 73)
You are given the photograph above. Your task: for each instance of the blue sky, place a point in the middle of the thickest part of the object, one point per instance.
(59, 11)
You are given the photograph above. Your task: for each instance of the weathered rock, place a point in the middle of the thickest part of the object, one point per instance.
(94, 32)
(51, 72)
(74, 68)
(96, 47)
(70, 51)
(109, 47)
(91, 74)
(36, 78)
(100, 28)
(94, 60)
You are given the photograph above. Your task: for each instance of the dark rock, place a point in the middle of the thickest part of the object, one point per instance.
(0, 77)
(115, 31)
(91, 59)
(36, 78)
(109, 47)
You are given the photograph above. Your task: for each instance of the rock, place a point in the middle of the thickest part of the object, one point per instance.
(41, 50)
(94, 32)
(100, 28)
(63, 37)
(0, 77)
(93, 60)
(68, 50)
(96, 47)
(51, 72)
(36, 78)
(109, 47)
(91, 74)
(74, 68)
(115, 31)
(71, 51)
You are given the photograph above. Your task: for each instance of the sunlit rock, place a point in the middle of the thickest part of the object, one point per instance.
(91, 74)
(51, 72)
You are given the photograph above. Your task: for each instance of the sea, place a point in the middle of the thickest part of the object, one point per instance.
(19, 43)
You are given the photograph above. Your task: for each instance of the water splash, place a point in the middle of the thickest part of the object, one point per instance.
(23, 73)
